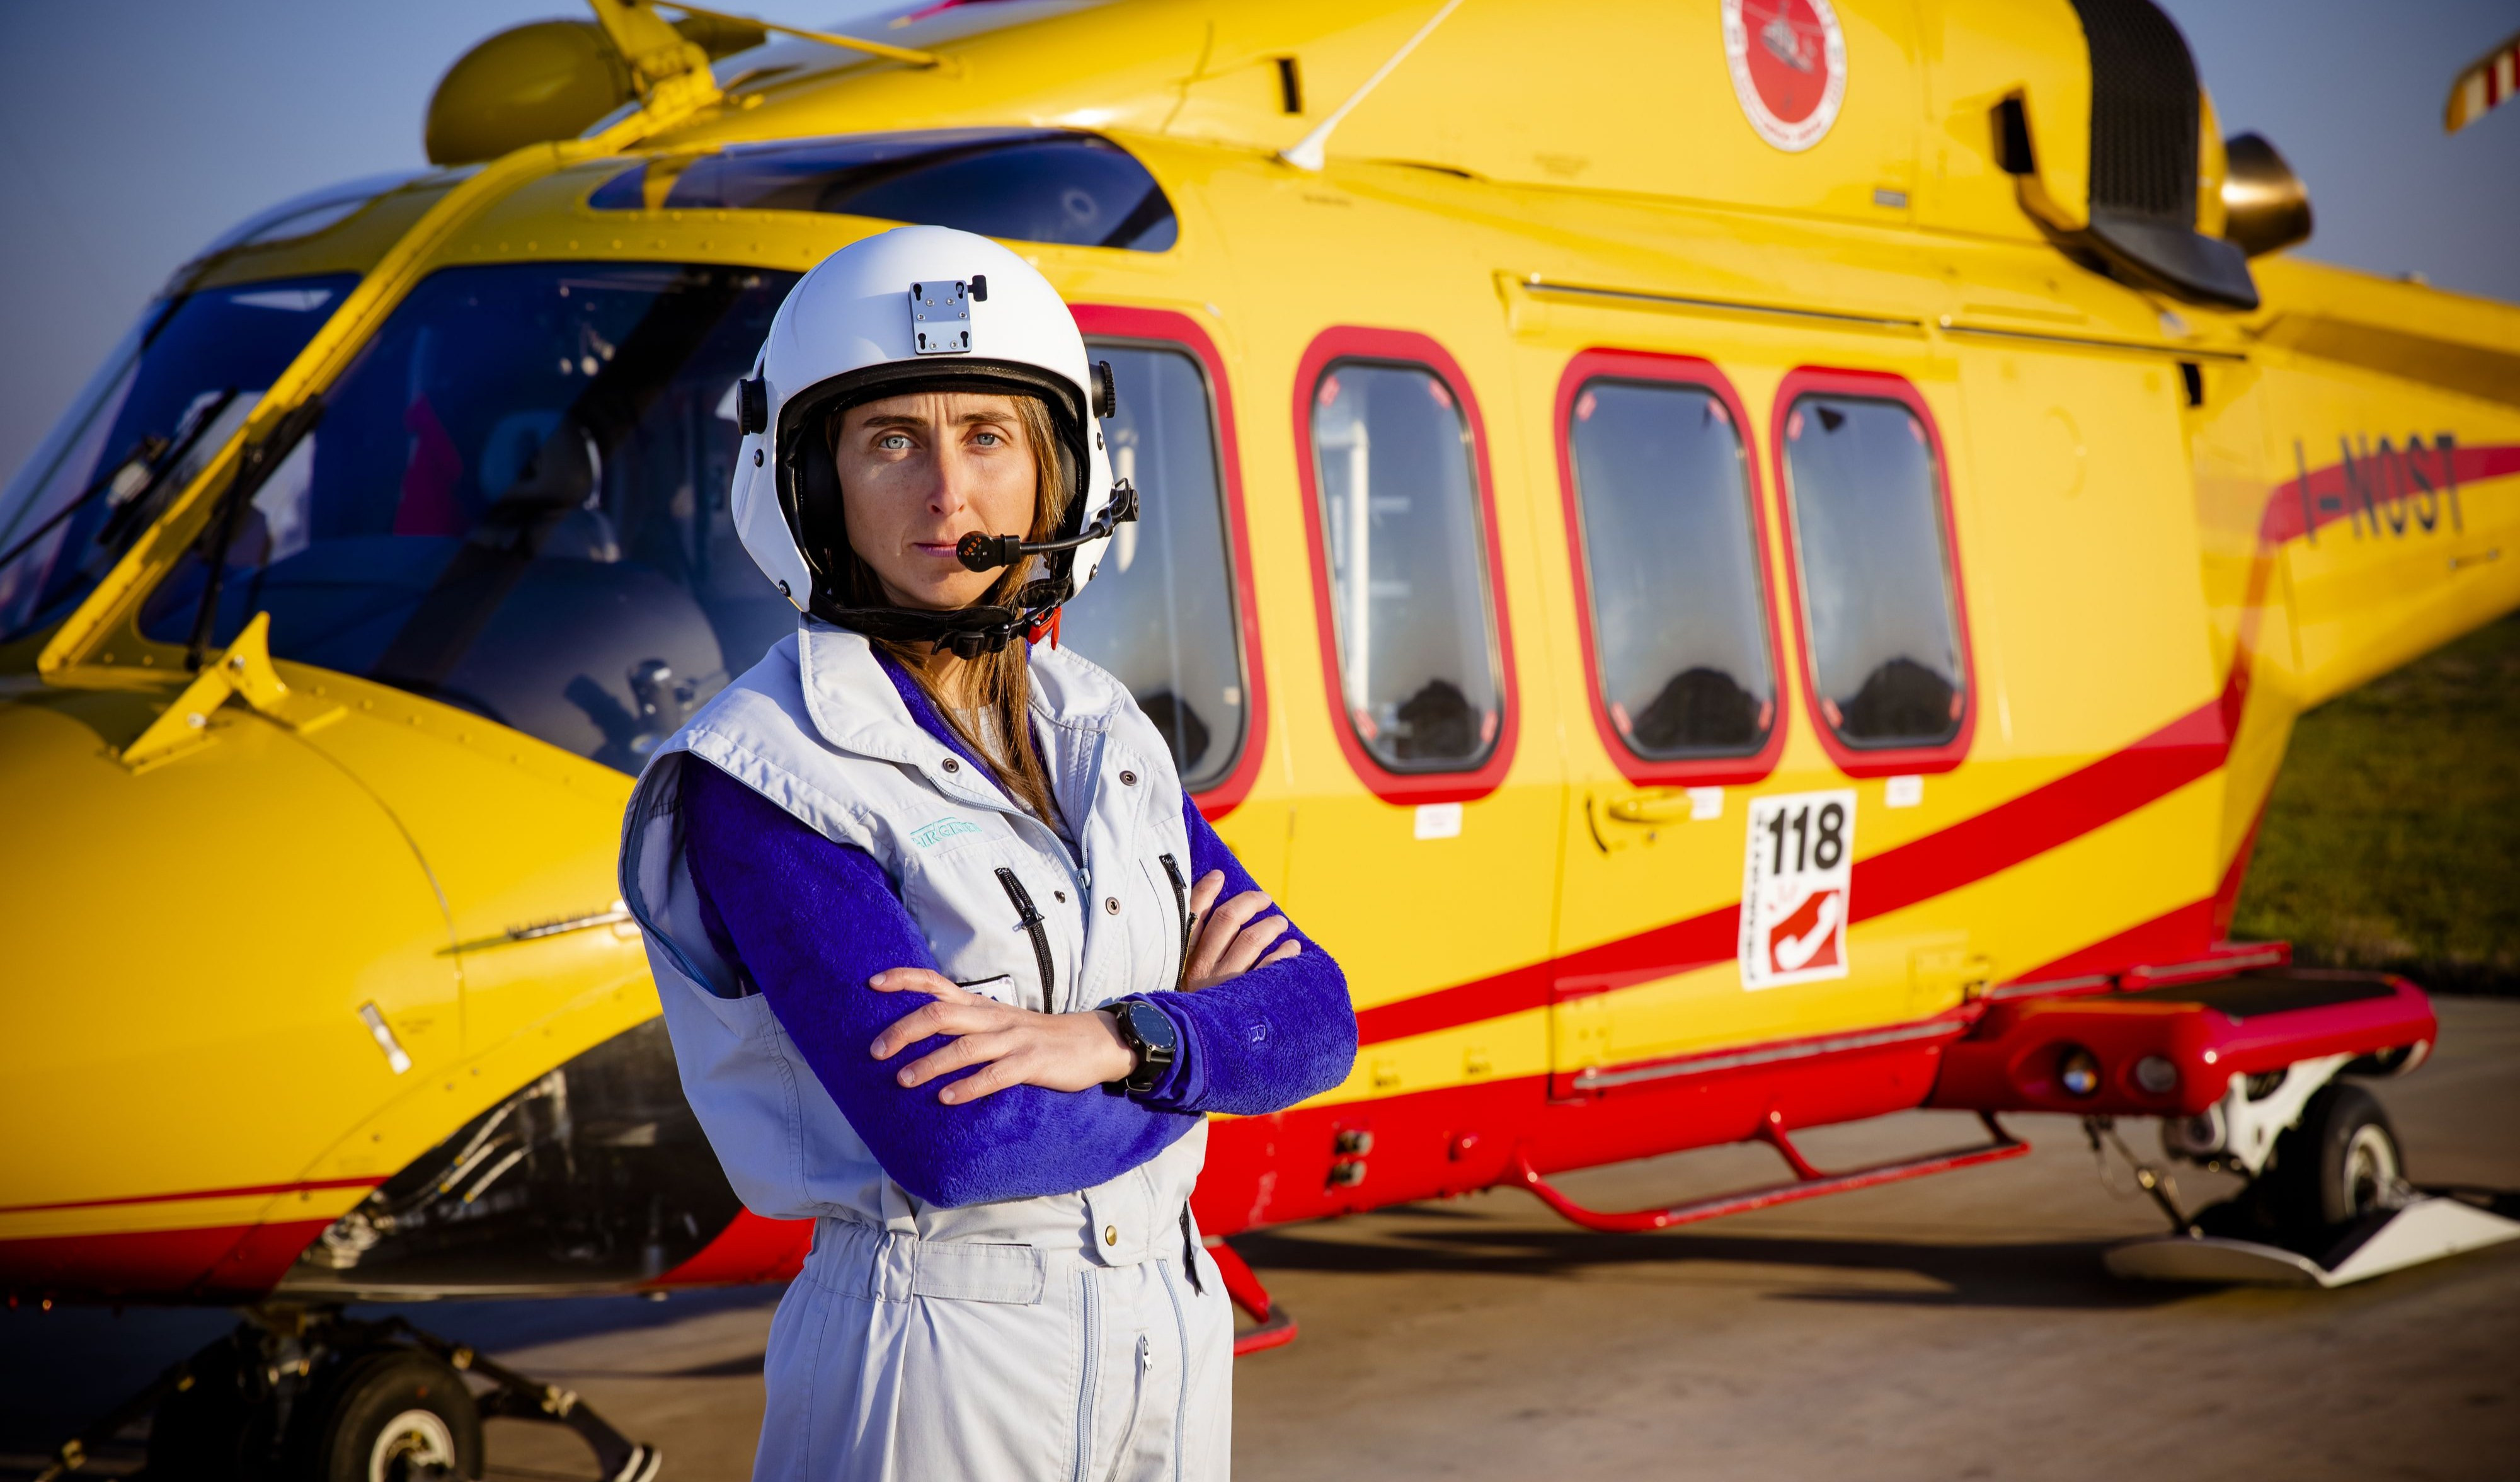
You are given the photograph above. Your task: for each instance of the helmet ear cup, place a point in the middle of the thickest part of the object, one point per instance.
(809, 495)
(822, 523)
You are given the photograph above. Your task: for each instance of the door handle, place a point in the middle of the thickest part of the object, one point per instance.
(1648, 808)
(1667, 805)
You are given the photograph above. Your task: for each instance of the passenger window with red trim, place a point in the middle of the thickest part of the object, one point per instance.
(1160, 611)
(1888, 636)
(1665, 523)
(1399, 510)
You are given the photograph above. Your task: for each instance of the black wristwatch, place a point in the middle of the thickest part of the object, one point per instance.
(1148, 1031)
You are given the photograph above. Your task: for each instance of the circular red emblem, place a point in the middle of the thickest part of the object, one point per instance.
(1788, 63)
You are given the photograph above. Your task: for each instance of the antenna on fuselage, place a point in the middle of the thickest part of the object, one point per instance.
(1308, 153)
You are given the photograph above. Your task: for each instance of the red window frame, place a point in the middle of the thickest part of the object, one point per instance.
(1873, 385)
(1700, 374)
(1166, 329)
(1405, 348)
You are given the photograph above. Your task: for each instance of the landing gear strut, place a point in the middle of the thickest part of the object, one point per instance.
(300, 1394)
(2327, 1200)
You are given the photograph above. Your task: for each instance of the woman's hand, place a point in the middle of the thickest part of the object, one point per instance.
(1013, 1047)
(1226, 942)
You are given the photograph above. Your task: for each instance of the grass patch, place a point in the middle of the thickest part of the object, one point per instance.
(2393, 838)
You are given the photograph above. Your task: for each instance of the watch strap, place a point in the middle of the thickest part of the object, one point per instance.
(1152, 1059)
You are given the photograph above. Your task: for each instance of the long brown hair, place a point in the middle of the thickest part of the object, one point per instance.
(1002, 681)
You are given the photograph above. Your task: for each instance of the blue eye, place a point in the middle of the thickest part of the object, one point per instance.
(988, 438)
(893, 441)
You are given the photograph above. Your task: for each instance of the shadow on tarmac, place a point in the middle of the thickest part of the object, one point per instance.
(2058, 1275)
(61, 1369)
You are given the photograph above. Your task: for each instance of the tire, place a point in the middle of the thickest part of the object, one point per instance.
(2340, 1163)
(392, 1416)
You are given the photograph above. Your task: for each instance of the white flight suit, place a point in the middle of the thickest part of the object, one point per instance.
(1047, 1337)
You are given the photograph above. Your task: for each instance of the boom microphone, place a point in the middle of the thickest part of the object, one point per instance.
(984, 552)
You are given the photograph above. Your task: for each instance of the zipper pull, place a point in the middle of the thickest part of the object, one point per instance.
(1030, 922)
(1180, 904)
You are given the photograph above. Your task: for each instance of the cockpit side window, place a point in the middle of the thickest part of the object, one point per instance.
(517, 503)
(1864, 484)
(1404, 566)
(1023, 185)
(1162, 612)
(166, 401)
(1662, 511)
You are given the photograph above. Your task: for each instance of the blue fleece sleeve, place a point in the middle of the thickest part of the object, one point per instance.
(1266, 1040)
(810, 920)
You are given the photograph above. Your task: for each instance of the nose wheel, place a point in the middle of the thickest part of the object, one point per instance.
(298, 1395)
(398, 1415)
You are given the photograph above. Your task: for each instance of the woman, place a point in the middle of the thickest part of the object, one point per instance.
(938, 935)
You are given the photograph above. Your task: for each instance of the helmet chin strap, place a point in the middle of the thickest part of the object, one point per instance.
(967, 632)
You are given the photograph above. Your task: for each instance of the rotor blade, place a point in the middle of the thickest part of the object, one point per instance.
(2483, 87)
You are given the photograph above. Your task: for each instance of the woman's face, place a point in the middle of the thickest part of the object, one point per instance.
(918, 472)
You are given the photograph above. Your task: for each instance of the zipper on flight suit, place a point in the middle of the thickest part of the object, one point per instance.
(1030, 921)
(1180, 904)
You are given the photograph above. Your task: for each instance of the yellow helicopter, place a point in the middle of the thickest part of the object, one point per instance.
(1745, 564)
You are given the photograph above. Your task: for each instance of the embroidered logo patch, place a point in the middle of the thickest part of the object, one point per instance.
(929, 835)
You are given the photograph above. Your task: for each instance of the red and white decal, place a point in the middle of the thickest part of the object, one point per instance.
(1797, 888)
(1788, 62)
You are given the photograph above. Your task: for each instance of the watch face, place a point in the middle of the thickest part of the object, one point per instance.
(1154, 1028)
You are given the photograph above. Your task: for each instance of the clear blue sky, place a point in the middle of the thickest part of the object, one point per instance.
(132, 133)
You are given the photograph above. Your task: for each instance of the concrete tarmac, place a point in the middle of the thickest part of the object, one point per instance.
(1957, 1327)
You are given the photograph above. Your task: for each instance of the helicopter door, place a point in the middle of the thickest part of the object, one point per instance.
(1741, 529)
(1678, 626)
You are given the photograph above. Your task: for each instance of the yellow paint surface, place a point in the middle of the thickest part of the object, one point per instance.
(193, 940)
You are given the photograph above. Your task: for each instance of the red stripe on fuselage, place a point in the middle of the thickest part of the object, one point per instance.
(2043, 818)
(2382, 481)
(2007, 834)
(2046, 818)
(220, 1263)
(246, 1190)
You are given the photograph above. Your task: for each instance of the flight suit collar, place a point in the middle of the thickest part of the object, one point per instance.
(856, 707)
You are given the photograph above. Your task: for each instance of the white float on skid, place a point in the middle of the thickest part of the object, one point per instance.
(2326, 1181)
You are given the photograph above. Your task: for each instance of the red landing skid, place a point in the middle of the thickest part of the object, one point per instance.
(1810, 1183)
(1278, 1326)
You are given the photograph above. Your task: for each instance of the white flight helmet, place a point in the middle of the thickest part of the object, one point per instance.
(919, 308)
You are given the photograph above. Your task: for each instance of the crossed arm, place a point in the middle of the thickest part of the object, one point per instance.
(1016, 1110)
